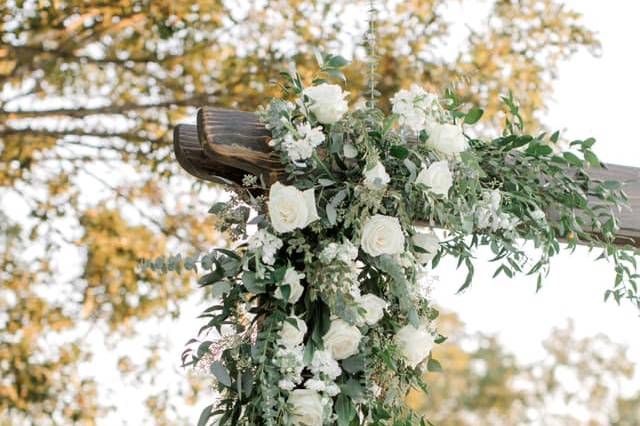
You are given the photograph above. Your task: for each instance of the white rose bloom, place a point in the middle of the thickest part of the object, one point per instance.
(428, 242)
(328, 103)
(291, 335)
(291, 278)
(447, 139)
(290, 208)
(382, 235)
(306, 407)
(414, 344)
(376, 177)
(374, 307)
(437, 177)
(342, 339)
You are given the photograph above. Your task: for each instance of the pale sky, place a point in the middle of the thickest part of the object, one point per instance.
(593, 97)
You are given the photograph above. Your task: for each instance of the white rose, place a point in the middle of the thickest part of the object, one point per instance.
(292, 279)
(291, 335)
(306, 407)
(414, 344)
(437, 177)
(376, 177)
(447, 138)
(328, 103)
(342, 339)
(382, 235)
(290, 208)
(374, 307)
(428, 242)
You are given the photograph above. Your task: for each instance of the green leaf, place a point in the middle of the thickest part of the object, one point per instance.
(572, 159)
(221, 373)
(285, 289)
(205, 415)
(353, 364)
(473, 116)
(399, 152)
(538, 149)
(336, 62)
(252, 283)
(434, 366)
(344, 410)
(218, 208)
(591, 158)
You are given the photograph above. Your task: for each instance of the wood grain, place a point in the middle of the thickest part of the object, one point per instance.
(228, 144)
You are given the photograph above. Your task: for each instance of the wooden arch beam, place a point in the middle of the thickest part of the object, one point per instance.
(225, 145)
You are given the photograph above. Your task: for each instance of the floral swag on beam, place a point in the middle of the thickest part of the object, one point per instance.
(322, 315)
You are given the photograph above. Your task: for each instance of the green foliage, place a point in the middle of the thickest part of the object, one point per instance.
(144, 65)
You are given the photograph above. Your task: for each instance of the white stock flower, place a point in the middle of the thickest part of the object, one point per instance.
(437, 178)
(292, 279)
(376, 177)
(414, 344)
(290, 208)
(414, 107)
(306, 407)
(382, 235)
(302, 149)
(427, 241)
(447, 139)
(374, 307)
(323, 362)
(268, 243)
(328, 103)
(291, 335)
(285, 384)
(342, 339)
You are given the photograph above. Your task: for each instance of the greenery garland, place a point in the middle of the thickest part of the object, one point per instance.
(322, 313)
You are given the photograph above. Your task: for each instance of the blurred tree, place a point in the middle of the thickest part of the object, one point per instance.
(578, 383)
(88, 94)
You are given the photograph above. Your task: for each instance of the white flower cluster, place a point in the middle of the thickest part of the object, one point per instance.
(325, 370)
(489, 216)
(416, 108)
(290, 363)
(267, 243)
(345, 253)
(289, 357)
(300, 147)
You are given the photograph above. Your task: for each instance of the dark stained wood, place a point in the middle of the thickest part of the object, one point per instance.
(240, 140)
(192, 158)
(230, 144)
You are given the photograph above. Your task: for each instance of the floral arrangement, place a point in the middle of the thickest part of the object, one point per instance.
(322, 312)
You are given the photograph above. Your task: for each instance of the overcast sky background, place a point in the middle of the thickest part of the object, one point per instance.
(593, 97)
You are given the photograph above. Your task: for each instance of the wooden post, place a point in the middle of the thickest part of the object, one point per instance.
(225, 145)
